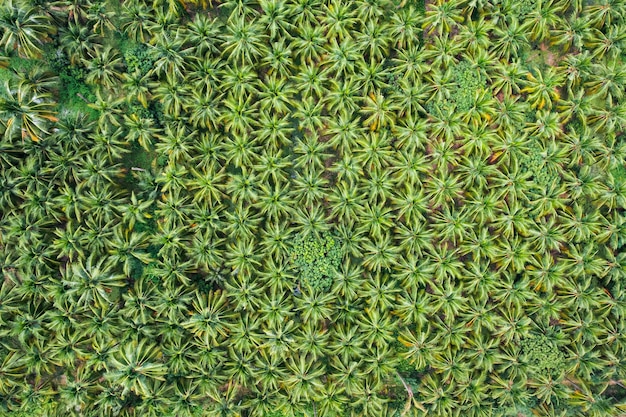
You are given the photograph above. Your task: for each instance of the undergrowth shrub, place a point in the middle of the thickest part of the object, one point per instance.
(74, 93)
(468, 82)
(316, 259)
(542, 355)
(534, 161)
(137, 58)
(522, 7)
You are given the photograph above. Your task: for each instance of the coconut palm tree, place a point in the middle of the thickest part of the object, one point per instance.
(442, 17)
(26, 113)
(23, 29)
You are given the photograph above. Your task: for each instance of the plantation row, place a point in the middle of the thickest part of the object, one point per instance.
(312, 208)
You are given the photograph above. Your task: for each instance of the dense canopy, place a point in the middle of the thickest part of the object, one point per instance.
(333, 208)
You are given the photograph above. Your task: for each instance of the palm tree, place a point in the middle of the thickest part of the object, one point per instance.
(176, 142)
(475, 34)
(310, 117)
(604, 82)
(25, 112)
(379, 111)
(345, 202)
(512, 39)
(347, 343)
(343, 95)
(374, 39)
(134, 365)
(309, 44)
(243, 188)
(311, 153)
(275, 95)
(442, 17)
(443, 52)
(274, 131)
(126, 248)
(204, 34)
(577, 67)
(443, 189)
(542, 87)
(380, 292)
(573, 35)
(338, 19)
(104, 67)
(136, 20)
(23, 29)
(314, 307)
(276, 238)
(207, 184)
(405, 26)
(240, 9)
(311, 79)
(274, 203)
(68, 243)
(93, 282)
(542, 20)
(410, 97)
(276, 18)
(270, 372)
(342, 58)
(209, 320)
(348, 279)
(603, 13)
(137, 87)
(244, 42)
(241, 257)
(311, 220)
(239, 116)
(593, 404)
(279, 59)
(100, 17)
(79, 42)
(378, 331)
(279, 340)
(303, 381)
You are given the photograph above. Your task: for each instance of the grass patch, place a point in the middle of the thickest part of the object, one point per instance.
(139, 158)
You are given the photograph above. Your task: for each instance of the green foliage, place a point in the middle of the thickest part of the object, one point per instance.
(522, 7)
(619, 174)
(316, 259)
(39, 406)
(518, 410)
(138, 58)
(534, 161)
(542, 355)
(74, 93)
(468, 81)
(6, 76)
(228, 142)
(19, 64)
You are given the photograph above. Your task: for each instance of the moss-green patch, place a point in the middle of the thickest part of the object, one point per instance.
(136, 55)
(137, 158)
(19, 64)
(419, 5)
(619, 174)
(6, 76)
(543, 356)
(316, 259)
(74, 94)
